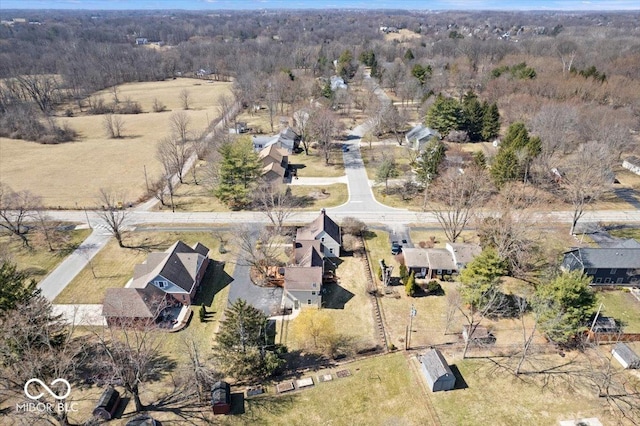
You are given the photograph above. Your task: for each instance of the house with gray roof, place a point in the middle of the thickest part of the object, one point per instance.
(325, 230)
(437, 371)
(632, 164)
(419, 136)
(286, 140)
(436, 262)
(608, 265)
(172, 276)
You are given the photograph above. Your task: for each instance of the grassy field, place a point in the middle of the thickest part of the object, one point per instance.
(113, 265)
(626, 233)
(39, 260)
(313, 165)
(69, 175)
(499, 398)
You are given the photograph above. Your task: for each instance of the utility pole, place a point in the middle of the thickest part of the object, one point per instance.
(412, 314)
(146, 180)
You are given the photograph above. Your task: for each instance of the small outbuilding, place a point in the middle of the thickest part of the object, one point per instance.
(479, 335)
(625, 356)
(437, 371)
(107, 404)
(221, 398)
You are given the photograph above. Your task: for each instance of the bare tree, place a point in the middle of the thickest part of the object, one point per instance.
(36, 343)
(185, 98)
(323, 127)
(587, 177)
(173, 154)
(113, 125)
(17, 208)
(200, 377)
(226, 108)
(43, 89)
(301, 127)
(259, 249)
(158, 190)
(130, 353)
(112, 213)
(567, 51)
(276, 202)
(454, 197)
(179, 123)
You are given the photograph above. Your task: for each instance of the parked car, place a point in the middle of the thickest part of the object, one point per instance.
(345, 148)
(396, 248)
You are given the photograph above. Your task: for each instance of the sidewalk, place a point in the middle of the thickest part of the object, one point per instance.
(319, 181)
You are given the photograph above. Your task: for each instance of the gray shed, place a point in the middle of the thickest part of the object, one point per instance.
(437, 371)
(625, 356)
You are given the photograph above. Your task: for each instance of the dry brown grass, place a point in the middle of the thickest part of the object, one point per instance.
(113, 265)
(70, 174)
(38, 260)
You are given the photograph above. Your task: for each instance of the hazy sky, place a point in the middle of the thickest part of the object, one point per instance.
(321, 4)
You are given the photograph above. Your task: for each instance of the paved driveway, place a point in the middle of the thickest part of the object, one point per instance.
(267, 299)
(81, 314)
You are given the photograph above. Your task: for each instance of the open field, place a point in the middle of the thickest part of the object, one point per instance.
(113, 265)
(313, 165)
(347, 303)
(69, 175)
(626, 233)
(38, 260)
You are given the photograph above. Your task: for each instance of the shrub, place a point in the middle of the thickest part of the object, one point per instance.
(404, 273)
(433, 287)
(411, 287)
(158, 106)
(129, 107)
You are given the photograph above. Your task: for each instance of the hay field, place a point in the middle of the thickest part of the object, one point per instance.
(69, 175)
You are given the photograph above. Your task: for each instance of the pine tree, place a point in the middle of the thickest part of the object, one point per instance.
(504, 167)
(473, 116)
(479, 159)
(408, 55)
(445, 115)
(237, 173)
(480, 277)
(411, 287)
(429, 161)
(388, 169)
(490, 122)
(15, 287)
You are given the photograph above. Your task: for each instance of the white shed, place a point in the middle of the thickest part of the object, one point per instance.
(437, 371)
(625, 356)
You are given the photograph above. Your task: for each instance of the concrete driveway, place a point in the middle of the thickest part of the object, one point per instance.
(81, 314)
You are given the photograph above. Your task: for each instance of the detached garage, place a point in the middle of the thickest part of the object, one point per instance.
(625, 356)
(437, 371)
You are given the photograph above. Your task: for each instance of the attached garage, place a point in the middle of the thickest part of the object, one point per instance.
(437, 371)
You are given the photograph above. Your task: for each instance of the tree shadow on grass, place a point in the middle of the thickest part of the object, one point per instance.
(257, 406)
(214, 281)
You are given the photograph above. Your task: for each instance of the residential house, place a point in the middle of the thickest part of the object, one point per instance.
(437, 371)
(625, 356)
(336, 83)
(419, 136)
(165, 278)
(141, 41)
(287, 140)
(633, 164)
(435, 262)
(608, 265)
(304, 278)
(275, 163)
(325, 230)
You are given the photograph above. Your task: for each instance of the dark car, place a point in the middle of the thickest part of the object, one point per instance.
(345, 148)
(395, 248)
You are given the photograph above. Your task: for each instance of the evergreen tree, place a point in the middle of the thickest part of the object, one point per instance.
(429, 161)
(479, 159)
(346, 67)
(504, 167)
(388, 169)
(490, 122)
(411, 287)
(238, 173)
(422, 73)
(15, 287)
(565, 305)
(480, 277)
(408, 55)
(445, 115)
(473, 116)
(242, 343)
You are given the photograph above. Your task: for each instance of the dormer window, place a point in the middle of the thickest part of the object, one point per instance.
(162, 284)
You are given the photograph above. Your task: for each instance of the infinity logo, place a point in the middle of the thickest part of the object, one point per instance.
(47, 388)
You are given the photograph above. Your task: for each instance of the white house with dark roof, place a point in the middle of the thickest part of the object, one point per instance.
(625, 356)
(436, 262)
(608, 265)
(324, 230)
